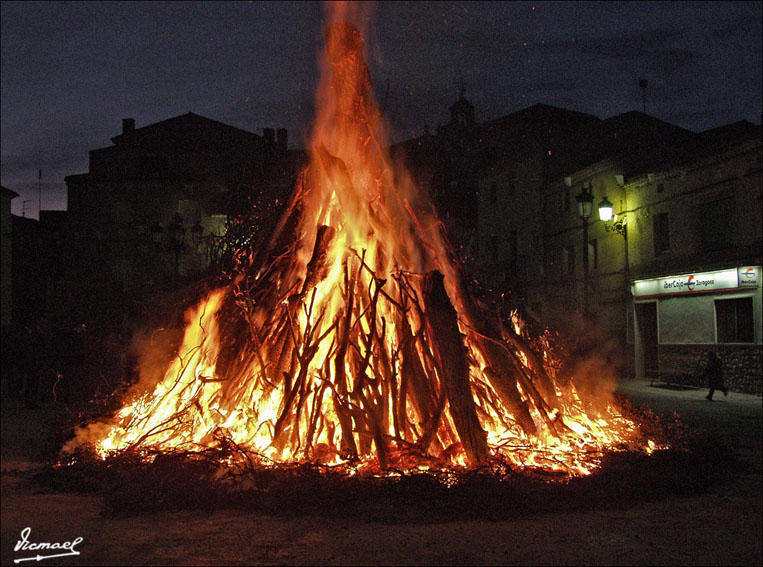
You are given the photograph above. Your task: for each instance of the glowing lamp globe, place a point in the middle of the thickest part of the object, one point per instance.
(605, 210)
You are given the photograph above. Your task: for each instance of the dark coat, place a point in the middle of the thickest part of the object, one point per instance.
(714, 371)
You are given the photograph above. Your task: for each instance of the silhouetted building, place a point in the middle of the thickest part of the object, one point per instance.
(149, 212)
(487, 179)
(6, 225)
(57, 260)
(625, 145)
(524, 152)
(29, 272)
(6, 298)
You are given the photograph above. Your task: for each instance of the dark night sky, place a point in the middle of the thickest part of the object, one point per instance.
(72, 71)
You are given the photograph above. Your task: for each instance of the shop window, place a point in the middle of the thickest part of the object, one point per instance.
(661, 233)
(716, 224)
(734, 320)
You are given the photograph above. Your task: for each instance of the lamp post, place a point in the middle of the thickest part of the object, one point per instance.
(585, 207)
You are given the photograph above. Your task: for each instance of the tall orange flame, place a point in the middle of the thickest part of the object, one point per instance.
(349, 355)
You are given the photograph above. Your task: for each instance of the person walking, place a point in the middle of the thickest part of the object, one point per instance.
(714, 373)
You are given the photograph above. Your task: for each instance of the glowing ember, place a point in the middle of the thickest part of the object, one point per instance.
(353, 339)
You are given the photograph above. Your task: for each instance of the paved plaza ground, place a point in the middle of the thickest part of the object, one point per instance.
(722, 527)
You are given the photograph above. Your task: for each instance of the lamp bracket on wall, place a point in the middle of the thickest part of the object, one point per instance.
(617, 225)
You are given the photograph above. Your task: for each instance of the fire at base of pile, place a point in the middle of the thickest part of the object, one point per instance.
(185, 414)
(351, 337)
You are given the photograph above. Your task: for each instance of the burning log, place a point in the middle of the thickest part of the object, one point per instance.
(451, 355)
(340, 380)
(414, 382)
(316, 268)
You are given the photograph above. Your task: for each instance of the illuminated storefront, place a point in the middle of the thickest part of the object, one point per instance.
(677, 318)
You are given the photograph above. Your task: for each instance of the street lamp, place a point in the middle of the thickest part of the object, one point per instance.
(605, 209)
(585, 208)
(605, 215)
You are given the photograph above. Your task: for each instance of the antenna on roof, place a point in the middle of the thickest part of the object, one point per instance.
(39, 192)
(642, 85)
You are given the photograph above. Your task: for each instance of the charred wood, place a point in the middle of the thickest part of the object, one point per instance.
(451, 353)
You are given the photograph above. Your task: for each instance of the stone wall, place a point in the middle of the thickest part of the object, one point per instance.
(742, 366)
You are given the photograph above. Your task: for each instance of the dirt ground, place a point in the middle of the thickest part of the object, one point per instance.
(720, 528)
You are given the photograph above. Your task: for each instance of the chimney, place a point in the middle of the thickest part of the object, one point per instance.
(270, 135)
(282, 139)
(128, 126)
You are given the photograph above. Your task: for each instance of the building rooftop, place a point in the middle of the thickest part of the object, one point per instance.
(8, 193)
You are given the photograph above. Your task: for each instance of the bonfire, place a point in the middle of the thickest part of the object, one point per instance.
(352, 339)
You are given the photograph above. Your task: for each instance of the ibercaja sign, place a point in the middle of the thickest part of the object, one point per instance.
(749, 276)
(745, 277)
